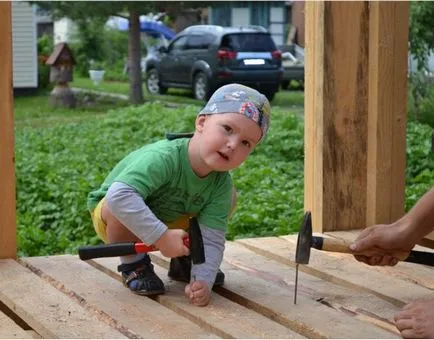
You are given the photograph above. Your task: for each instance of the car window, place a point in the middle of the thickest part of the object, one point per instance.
(200, 42)
(178, 44)
(248, 42)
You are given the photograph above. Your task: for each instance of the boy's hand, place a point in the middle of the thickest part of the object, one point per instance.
(198, 293)
(171, 243)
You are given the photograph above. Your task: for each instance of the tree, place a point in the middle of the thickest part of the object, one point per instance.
(421, 31)
(421, 45)
(83, 12)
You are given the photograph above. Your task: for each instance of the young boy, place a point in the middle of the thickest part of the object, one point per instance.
(150, 194)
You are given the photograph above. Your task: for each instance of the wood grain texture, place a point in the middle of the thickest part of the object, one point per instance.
(388, 49)
(10, 330)
(341, 269)
(428, 240)
(267, 287)
(337, 296)
(49, 312)
(336, 113)
(313, 108)
(103, 295)
(223, 317)
(8, 243)
(410, 272)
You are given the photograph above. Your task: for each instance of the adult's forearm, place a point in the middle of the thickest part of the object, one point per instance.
(420, 219)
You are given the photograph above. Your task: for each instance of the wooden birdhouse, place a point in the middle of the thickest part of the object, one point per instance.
(61, 62)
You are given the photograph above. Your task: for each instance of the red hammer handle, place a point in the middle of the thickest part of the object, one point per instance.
(119, 249)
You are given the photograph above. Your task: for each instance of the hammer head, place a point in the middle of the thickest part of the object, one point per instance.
(304, 240)
(197, 252)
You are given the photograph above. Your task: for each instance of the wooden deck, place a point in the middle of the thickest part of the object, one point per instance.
(63, 297)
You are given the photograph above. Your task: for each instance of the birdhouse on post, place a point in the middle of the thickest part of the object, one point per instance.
(61, 63)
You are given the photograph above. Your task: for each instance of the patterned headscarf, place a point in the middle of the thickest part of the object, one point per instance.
(236, 98)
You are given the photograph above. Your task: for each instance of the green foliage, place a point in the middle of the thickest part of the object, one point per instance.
(117, 47)
(89, 44)
(45, 48)
(420, 162)
(45, 45)
(421, 45)
(421, 99)
(270, 182)
(421, 30)
(57, 166)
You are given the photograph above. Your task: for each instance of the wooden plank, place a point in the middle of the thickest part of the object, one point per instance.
(10, 330)
(104, 295)
(8, 245)
(339, 268)
(314, 76)
(222, 316)
(267, 287)
(410, 272)
(336, 143)
(388, 52)
(428, 240)
(49, 312)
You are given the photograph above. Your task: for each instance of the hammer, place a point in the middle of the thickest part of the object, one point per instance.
(305, 241)
(194, 241)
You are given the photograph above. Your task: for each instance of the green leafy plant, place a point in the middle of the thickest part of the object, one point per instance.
(58, 165)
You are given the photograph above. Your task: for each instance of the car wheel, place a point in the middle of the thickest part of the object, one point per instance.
(201, 87)
(153, 83)
(285, 84)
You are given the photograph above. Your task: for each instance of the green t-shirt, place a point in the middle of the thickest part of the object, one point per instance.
(161, 173)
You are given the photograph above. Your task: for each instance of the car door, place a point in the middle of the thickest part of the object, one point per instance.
(194, 51)
(170, 61)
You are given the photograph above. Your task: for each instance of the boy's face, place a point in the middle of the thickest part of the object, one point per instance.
(226, 140)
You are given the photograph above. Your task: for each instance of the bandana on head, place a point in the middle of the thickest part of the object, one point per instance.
(236, 98)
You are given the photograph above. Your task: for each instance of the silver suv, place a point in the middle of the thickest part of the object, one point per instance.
(205, 57)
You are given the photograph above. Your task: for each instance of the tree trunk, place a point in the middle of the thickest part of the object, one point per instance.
(135, 71)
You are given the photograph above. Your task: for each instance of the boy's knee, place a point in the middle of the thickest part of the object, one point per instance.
(113, 225)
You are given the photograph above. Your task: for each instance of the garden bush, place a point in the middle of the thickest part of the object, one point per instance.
(56, 167)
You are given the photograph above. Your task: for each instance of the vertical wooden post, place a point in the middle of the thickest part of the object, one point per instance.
(336, 118)
(355, 112)
(8, 243)
(388, 50)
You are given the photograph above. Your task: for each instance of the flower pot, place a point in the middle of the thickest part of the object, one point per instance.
(96, 76)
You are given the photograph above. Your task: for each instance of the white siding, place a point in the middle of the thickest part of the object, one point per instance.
(24, 49)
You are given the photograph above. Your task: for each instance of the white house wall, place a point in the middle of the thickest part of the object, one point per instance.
(24, 46)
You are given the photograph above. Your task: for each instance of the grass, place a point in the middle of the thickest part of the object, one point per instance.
(35, 110)
(284, 99)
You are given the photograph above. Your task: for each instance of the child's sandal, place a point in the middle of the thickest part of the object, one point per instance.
(140, 277)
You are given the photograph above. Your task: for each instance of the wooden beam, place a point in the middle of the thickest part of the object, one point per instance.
(336, 119)
(387, 110)
(355, 112)
(7, 167)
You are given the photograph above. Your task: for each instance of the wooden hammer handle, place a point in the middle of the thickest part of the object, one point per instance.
(341, 246)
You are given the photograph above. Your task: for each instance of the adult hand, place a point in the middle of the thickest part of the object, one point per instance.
(198, 293)
(171, 243)
(381, 241)
(416, 320)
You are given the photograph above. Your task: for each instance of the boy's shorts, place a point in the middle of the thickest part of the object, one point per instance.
(182, 222)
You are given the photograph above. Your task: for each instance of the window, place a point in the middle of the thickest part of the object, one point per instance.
(197, 42)
(248, 42)
(179, 44)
